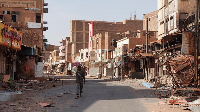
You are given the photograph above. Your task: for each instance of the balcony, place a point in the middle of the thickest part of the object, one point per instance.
(45, 40)
(61, 47)
(45, 22)
(45, 28)
(61, 54)
(45, 10)
(45, 4)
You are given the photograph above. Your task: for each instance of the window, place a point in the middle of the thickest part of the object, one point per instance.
(92, 43)
(171, 17)
(38, 18)
(6, 12)
(97, 41)
(2, 18)
(87, 54)
(14, 18)
(143, 33)
(2, 5)
(151, 33)
(81, 55)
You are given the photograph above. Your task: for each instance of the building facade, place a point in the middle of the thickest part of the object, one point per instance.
(26, 16)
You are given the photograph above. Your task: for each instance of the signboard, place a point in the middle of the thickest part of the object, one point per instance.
(10, 37)
(34, 25)
(26, 4)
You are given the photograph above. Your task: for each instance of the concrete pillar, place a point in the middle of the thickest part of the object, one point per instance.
(117, 73)
(107, 54)
(160, 70)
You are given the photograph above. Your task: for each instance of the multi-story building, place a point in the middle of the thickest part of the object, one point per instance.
(47, 52)
(172, 14)
(152, 21)
(53, 61)
(26, 16)
(125, 46)
(79, 31)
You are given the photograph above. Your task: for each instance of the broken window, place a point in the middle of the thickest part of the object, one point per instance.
(81, 55)
(38, 18)
(87, 54)
(6, 12)
(14, 18)
(1, 18)
(97, 41)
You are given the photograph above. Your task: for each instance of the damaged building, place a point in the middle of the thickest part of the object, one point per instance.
(26, 17)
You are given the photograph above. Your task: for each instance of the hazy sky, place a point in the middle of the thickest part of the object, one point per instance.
(61, 12)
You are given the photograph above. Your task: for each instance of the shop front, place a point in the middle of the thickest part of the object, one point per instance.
(10, 43)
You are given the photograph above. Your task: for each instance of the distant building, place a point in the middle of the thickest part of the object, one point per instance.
(79, 31)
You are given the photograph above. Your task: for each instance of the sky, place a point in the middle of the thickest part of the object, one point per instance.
(61, 12)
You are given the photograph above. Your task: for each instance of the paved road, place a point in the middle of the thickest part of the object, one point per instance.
(100, 96)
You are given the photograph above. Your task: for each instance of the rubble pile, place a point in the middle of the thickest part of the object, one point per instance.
(181, 71)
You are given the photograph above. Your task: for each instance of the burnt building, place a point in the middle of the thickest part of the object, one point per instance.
(27, 17)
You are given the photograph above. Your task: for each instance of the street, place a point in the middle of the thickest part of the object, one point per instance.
(98, 96)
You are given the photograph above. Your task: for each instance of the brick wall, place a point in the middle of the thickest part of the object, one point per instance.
(80, 29)
(152, 21)
(31, 37)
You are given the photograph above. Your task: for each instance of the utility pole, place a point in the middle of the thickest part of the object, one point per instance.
(196, 43)
(147, 35)
(147, 39)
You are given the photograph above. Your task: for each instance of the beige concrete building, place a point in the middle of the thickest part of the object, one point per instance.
(171, 15)
(152, 21)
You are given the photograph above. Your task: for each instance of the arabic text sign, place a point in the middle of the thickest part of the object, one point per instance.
(34, 25)
(27, 4)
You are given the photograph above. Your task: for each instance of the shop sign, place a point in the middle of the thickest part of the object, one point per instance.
(34, 25)
(10, 37)
(26, 4)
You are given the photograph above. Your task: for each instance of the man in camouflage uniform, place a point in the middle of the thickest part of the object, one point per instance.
(79, 81)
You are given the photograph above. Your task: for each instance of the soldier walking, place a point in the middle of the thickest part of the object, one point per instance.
(79, 81)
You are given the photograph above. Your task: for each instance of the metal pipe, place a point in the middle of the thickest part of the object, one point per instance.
(196, 44)
(147, 35)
